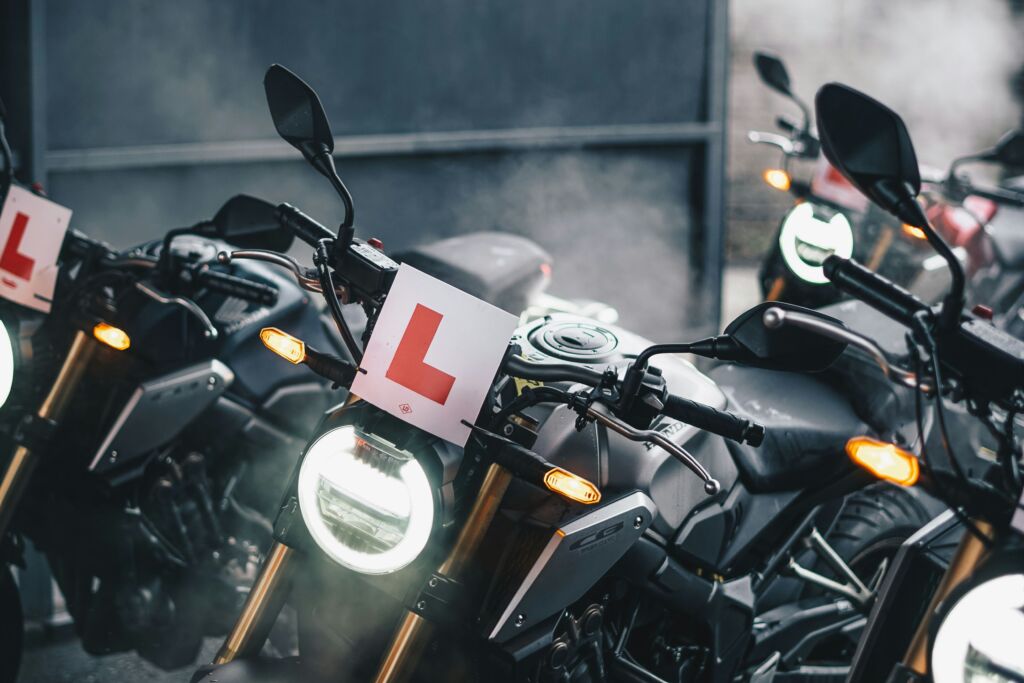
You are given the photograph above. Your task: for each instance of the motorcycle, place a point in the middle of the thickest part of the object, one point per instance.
(133, 411)
(952, 606)
(596, 526)
(830, 216)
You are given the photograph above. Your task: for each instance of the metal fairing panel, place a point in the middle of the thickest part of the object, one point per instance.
(158, 410)
(577, 556)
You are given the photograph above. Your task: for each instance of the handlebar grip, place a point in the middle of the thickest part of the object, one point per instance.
(301, 225)
(713, 420)
(240, 287)
(880, 293)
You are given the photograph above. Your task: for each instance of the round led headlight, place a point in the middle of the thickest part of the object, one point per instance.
(980, 639)
(806, 241)
(6, 364)
(368, 505)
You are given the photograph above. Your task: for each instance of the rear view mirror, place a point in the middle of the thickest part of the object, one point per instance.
(786, 348)
(297, 113)
(868, 143)
(300, 119)
(251, 223)
(773, 72)
(1009, 151)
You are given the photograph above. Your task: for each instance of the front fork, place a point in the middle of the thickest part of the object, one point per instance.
(274, 583)
(19, 471)
(969, 555)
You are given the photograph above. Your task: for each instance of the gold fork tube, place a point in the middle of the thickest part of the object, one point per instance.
(261, 608)
(414, 632)
(968, 556)
(23, 463)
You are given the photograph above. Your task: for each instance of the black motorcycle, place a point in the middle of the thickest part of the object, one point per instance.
(146, 432)
(829, 216)
(951, 609)
(597, 526)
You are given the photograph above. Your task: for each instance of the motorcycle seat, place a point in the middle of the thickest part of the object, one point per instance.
(807, 421)
(502, 269)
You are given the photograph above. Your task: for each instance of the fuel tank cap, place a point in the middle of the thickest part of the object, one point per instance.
(574, 340)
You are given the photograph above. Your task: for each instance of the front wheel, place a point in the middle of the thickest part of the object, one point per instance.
(12, 627)
(869, 531)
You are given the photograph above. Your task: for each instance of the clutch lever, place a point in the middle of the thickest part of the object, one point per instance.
(774, 318)
(305, 277)
(209, 330)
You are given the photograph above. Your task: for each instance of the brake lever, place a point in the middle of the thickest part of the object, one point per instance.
(773, 139)
(775, 318)
(596, 412)
(209, 330)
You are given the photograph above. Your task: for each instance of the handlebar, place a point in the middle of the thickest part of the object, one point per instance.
(302, 226)
(711, 419)
(239, 287)
(878, 292)
(699, 415)
(997, 195)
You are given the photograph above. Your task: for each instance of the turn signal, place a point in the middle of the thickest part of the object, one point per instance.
(571, 486)
(283, 344)
(914, 231)
(885, 460)
(114, 337)
(777, 178)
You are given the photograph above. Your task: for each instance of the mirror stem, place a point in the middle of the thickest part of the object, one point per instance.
(324, 163)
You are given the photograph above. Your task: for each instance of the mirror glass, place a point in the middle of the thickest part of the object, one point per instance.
(1010, 148)
(787, 348)
(773, 72)
(251, 223)
(869, 144)
(297, 112)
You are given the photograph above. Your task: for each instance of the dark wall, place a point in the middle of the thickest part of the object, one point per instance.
(621, 223)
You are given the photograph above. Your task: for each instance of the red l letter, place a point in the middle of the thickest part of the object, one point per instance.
(407, 367)
(12, 260)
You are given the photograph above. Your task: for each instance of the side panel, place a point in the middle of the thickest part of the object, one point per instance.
(574, 559)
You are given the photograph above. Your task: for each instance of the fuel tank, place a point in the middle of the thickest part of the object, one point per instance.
(616, 464)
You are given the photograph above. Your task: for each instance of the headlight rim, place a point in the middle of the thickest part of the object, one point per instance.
(807, 274)
(421, 476)
(1003, 562)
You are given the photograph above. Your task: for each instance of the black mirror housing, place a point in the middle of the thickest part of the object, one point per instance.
(869, 144)
(298, 114)
(773, 72)
(789, 348)
(251, 223)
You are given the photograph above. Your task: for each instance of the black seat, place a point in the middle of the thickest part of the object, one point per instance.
(502, 269)
(808, 424)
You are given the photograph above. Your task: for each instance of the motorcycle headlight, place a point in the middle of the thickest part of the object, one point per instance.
(980, 639)
(6, 364)
(367, 504)
(806, 241)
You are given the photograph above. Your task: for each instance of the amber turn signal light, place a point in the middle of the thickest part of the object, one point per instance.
(114, 337)
(571, 486)
(914, 231)
(777, 178)
(885, 460)
(283, 344)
